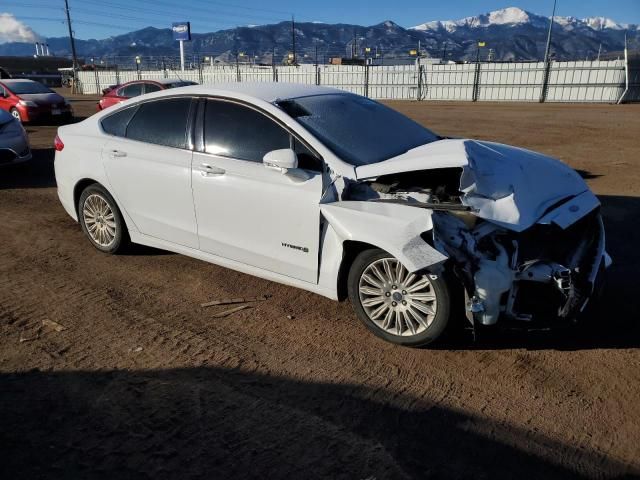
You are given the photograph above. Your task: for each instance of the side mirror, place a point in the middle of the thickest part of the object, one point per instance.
(281, 160)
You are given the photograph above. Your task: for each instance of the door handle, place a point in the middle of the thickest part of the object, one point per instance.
(207, 170)
(117, 154)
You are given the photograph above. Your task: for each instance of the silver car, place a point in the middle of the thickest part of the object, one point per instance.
(14, 143)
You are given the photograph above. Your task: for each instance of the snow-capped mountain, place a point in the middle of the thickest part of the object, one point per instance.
(510, 34)
(514, 16)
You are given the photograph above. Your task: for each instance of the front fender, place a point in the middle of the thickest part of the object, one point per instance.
(392, 227)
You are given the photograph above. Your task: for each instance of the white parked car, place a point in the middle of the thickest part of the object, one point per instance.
(339, 195)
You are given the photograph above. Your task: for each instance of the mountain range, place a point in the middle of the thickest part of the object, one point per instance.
(509, 34)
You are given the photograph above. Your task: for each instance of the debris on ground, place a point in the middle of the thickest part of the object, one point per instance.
(231, 301)
(226, 313)
(290, 317)
(54, 325)
(29, 339)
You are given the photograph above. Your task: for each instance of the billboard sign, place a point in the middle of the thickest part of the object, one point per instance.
(181, 31)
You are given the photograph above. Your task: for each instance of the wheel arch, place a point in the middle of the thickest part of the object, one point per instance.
(80, 186)
(350, 250)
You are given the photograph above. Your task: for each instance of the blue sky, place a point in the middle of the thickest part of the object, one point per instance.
(102, 18)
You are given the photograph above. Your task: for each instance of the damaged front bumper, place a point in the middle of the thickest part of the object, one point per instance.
(538, 278)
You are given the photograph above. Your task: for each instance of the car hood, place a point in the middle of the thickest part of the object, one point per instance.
(510, 186)
(43, 98)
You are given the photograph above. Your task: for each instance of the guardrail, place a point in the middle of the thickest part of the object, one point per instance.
(578, 81)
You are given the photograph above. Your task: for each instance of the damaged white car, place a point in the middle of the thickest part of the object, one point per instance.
(337, 194)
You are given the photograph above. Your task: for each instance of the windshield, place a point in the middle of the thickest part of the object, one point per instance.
(26, 88)
(358, 130)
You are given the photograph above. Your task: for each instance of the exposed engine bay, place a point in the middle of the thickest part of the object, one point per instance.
(533, 275)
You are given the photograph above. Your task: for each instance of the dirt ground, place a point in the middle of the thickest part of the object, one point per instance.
(143, 383)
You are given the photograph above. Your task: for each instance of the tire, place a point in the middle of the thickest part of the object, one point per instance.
(109, 232)
(15, 114)
(399, 322)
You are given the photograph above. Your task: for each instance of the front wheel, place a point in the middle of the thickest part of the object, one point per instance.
(404, 308)
(15, 114)
(101, 220)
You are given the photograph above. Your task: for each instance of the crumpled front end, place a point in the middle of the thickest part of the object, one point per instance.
(521, 231)
(542, 275)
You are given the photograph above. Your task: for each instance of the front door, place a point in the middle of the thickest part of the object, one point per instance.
(245, 211)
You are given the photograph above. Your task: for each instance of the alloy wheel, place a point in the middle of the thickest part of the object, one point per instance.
(99, 219)
(398, 302)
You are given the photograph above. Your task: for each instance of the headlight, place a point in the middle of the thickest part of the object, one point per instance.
(27, 103)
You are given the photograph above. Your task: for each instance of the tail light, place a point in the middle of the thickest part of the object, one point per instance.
(57, 144)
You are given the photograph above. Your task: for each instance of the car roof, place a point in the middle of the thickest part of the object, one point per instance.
(163, 81)
(14, 81)
(266, 91)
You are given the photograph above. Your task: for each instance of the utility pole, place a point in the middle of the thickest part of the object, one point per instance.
(354, 45)
(547, 63)
(73, 43)
(293, 38)
(548, 48)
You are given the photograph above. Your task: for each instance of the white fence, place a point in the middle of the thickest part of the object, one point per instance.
(581, 81)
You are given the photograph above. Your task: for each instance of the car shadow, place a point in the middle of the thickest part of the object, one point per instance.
(587, 175)
(225, 423)
(35, 173)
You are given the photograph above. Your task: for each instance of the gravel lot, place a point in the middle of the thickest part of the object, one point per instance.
(143, 383)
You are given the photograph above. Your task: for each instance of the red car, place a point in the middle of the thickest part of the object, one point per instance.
(120, 93)
(27, 101)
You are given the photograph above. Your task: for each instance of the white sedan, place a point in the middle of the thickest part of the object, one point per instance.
(339, 195)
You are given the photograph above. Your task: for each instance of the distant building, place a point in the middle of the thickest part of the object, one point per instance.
(41, 69)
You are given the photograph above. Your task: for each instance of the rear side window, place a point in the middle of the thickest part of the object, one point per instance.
(162, 122)
(236, 131)
(116, 124)
(151, 87)
(131, 91)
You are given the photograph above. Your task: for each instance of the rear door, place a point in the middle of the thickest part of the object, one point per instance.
(148, 164)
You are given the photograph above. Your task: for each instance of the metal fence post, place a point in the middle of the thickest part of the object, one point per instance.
(476, 83)
(200, 78)
(419, 89)
(95, 72)
(545, 81)
(366, 80)
(117, 75)
(317, 75)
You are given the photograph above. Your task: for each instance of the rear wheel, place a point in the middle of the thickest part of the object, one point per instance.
(404, 308)
(101, 220)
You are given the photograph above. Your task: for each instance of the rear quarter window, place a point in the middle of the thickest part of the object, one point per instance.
(116, 124)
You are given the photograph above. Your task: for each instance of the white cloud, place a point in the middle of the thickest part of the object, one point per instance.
(13, 30)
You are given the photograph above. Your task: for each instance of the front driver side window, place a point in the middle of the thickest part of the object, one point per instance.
(236, 131)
